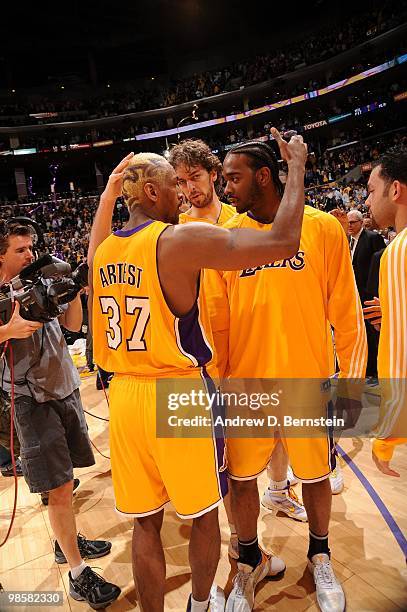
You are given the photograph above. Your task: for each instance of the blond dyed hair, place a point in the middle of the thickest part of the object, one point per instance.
(143, 168)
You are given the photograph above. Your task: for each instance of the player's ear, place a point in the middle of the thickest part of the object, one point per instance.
(396, 190)
(214, 176)
(263, 176)
(151, 191)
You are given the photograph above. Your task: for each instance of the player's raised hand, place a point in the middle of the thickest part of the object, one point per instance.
(294, 151)
(114, 186)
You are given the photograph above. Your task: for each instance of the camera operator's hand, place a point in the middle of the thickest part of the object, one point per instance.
(18, 327)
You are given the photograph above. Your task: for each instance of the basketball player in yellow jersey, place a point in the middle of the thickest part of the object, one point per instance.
(278, 329)
(199, 172)
(149, 321)
(387, 201)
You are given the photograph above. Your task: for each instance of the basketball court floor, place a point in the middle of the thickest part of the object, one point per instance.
(366, 537)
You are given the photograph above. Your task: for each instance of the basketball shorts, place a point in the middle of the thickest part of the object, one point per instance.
(311, 459)
(148, 471)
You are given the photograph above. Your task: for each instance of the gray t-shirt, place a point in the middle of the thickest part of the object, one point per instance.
(43, 367)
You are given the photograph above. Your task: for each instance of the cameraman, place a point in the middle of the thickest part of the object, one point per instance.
(50, 421)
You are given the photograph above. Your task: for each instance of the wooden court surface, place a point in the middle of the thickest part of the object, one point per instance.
(365, 554)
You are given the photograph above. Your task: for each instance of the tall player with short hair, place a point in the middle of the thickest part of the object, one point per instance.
(150, 321)
(387, 201)
(279, 316)
(199, 176)
(199, 173)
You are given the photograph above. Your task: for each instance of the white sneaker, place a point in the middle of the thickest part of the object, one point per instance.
(330, 595)
(216, 600)
(336, 479)
(293, 480)
(233, 549)
(286, 501)
(241, 598)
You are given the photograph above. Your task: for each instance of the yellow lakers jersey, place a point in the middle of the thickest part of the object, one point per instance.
(215, 294)
(134, 331)
(226, 212)
(279, 311)
(392, 356)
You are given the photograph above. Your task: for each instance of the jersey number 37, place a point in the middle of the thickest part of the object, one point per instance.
(139, 308)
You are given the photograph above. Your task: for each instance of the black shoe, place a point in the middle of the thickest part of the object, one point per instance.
(103, 379)
(89, 549)
(100, 385)
(45, 494)
(7, 470)
(94, 589)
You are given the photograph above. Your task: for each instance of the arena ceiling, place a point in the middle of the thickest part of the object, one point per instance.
(48, 41)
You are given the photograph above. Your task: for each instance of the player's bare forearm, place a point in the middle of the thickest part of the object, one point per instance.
(236, 249)
(102, 225)
(90, 308)
(283, 240)
(288, 220)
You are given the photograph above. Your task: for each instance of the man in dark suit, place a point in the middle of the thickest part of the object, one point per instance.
(363, 244)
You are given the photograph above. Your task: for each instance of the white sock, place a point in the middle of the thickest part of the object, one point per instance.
(278, 485)
(76, 571)
(199, 606)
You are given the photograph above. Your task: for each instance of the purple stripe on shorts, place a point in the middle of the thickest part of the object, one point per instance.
(218, 410)
(191, 337)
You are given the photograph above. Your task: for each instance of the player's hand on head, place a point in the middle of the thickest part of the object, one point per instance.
(18, 327)
(294, 151)
(114, 185)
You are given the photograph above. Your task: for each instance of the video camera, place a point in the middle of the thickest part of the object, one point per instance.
(41, 288)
